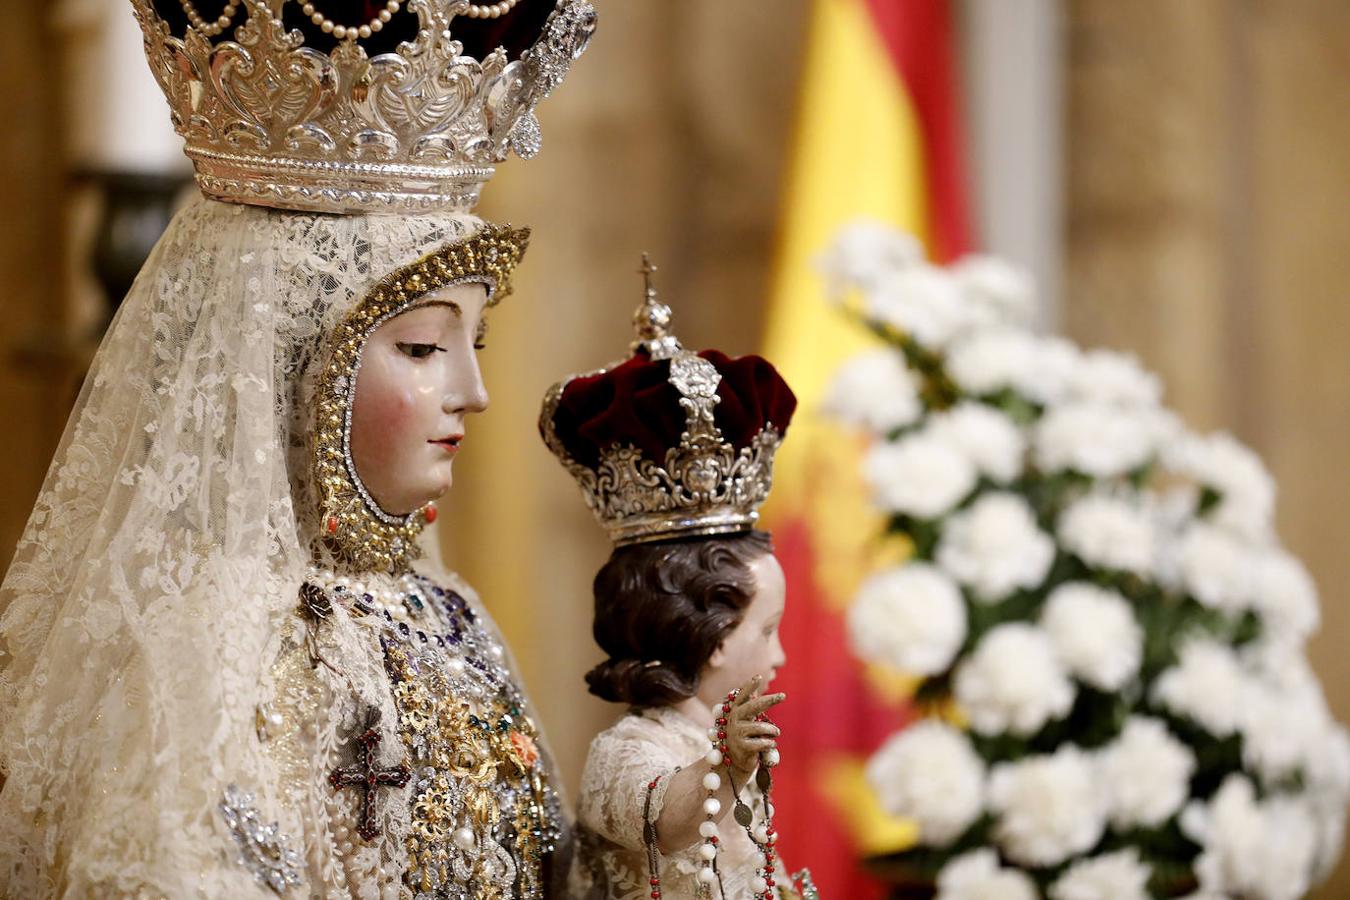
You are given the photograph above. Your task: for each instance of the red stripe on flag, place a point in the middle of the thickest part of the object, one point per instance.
(918, 35)
(829, 712)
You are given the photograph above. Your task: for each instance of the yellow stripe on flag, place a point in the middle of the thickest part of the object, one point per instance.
(858, 155)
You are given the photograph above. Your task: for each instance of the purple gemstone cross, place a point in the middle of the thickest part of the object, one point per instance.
(368, 775)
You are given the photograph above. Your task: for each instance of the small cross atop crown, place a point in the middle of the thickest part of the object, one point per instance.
(652, 319)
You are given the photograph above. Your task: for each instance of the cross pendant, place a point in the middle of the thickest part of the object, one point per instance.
(368, 775)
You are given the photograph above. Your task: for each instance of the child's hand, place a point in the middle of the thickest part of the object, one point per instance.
(747, 735)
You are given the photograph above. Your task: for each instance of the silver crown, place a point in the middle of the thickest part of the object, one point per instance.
(271, 121)
(705, 485)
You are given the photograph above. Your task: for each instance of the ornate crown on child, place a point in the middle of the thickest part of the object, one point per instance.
(270, 119)
(670, 443)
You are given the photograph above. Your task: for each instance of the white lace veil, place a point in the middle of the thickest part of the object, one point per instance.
(147, 596)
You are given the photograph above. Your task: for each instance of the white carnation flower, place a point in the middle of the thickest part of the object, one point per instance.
(1147, 774)
(930, 773)
(1095, 439)
(1013, 681)
(1252, 849)
(865, 254)
(995, 547)
(925, 303)
(1114, 379)
(1095, 634)
(996, 359)
(922, 475)
(1328, 766)
(976, 875)
(1246, 489)
(1284, 593)
(1109, 532)
(911, 617)
(1049, 808)
(1111, 876)
(1206, 685)
(986, 436)
(1006, 292)
(1215, 567)
(1284, 717)
(876, 391)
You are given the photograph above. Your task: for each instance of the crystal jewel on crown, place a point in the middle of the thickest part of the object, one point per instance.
(271, 121)
(670, 443)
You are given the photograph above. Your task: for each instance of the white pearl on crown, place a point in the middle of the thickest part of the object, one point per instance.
(209, 29)
(490, 11)
(351, 32)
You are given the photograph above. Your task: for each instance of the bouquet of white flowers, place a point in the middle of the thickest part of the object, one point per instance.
(1109, 635)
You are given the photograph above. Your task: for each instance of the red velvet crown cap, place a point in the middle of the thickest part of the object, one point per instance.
(635, 403)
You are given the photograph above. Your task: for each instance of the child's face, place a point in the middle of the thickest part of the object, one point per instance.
(753, 647)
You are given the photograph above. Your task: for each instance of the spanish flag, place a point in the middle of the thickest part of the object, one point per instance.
(879, 138)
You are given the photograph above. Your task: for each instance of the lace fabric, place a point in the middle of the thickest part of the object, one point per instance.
(154, 589)
(611, 859)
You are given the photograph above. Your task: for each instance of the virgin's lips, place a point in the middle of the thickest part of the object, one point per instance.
(449, 442)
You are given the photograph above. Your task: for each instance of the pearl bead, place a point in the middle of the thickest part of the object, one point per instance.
(708, 851)
(761, 835)
(771, 757)
(707, 828)
(465, 838)
(455, 665)
(712, 806)
(714, 757)
(758, 885)
(712, 781)
(707, 875)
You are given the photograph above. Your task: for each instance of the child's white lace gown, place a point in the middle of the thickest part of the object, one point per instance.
(611, 857)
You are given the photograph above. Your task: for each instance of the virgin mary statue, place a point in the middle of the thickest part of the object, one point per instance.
(230, 662)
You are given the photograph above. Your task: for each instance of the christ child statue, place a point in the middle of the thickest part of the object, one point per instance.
(674, 451)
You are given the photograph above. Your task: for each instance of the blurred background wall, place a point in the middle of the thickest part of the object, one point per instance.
(1175, 173)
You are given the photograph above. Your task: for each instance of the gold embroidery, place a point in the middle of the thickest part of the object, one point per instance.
(469, 758)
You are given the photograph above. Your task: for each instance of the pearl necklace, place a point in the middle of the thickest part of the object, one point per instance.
(210, 29)
(351, 32)
(491, 11)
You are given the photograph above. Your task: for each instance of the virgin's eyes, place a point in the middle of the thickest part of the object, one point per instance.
(419, 351)
(480, 335)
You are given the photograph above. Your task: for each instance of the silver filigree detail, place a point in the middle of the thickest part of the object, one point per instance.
(272, 122)
(704, 485)
(263, 849)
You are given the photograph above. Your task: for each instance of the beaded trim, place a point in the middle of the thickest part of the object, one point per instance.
(354, 528)
(262, 849)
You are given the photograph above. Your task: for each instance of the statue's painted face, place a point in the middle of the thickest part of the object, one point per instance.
(753, 647)
(419, 380)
